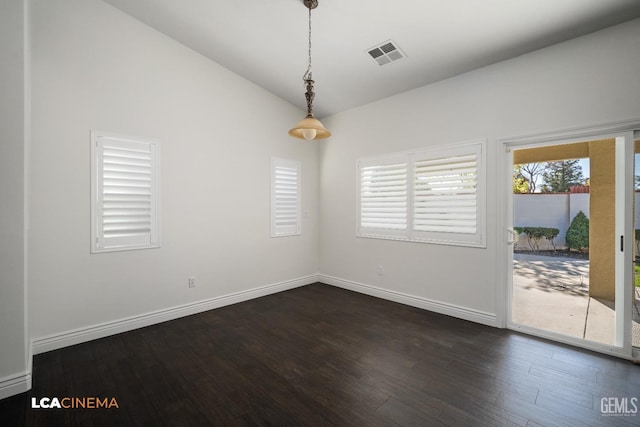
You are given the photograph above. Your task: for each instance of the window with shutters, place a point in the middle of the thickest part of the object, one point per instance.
(383, 198)
(448, 195)
(124, 193)
(285, 197)
(434, 196)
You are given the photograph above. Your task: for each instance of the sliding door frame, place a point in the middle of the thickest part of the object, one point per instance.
(623, 131)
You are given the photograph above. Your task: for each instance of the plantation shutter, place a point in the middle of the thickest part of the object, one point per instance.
(383, 198)
(285, 197)
(125, 193)
(434, 195)
(446, 199)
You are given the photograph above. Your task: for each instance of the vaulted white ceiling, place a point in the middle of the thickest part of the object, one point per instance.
(266, 40)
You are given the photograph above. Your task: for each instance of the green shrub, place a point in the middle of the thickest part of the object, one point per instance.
(578, 232)
(550, 234)
(535, 234)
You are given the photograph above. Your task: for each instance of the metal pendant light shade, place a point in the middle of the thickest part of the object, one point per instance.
(309, 128)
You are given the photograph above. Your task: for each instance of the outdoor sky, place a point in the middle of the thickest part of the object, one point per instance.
(584, 163)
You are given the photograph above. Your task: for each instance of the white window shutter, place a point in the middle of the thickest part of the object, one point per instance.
(125, 193)
(448, 195)
(434, 195)
(382, 198)
(445, 197)
(285, 197)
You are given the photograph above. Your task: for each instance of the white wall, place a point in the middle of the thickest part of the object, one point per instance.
(14, 364)
(586, 81)
(555, 210)
(542, 210)
(578, 202)
(96, 68)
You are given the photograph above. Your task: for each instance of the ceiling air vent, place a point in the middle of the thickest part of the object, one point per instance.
(386, 53)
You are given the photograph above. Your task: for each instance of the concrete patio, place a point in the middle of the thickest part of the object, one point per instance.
(552, 293)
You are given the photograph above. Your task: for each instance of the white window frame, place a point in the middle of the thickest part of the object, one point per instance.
(148, 238)
(292, 228)
(476, 148)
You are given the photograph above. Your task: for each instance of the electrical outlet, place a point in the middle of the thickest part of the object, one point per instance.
(192, 281)
(380, 271)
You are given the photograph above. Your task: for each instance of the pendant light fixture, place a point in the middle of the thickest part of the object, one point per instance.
(309, 127)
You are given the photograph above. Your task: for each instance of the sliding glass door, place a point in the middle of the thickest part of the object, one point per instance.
(570, 239)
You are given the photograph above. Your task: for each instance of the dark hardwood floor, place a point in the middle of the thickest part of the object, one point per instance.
(323, 356)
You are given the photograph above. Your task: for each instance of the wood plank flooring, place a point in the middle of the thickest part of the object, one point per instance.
(323, 356)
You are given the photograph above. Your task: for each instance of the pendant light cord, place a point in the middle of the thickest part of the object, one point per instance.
(308, 74)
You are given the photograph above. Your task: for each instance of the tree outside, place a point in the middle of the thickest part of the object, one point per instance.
(560, 176)
(520, 183)
(526, 177)
(578, 233)
(550, 177)
(532, 172)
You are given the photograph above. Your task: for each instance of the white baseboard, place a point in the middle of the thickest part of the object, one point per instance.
(414, 301)
(77, 336)
(15, 384)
